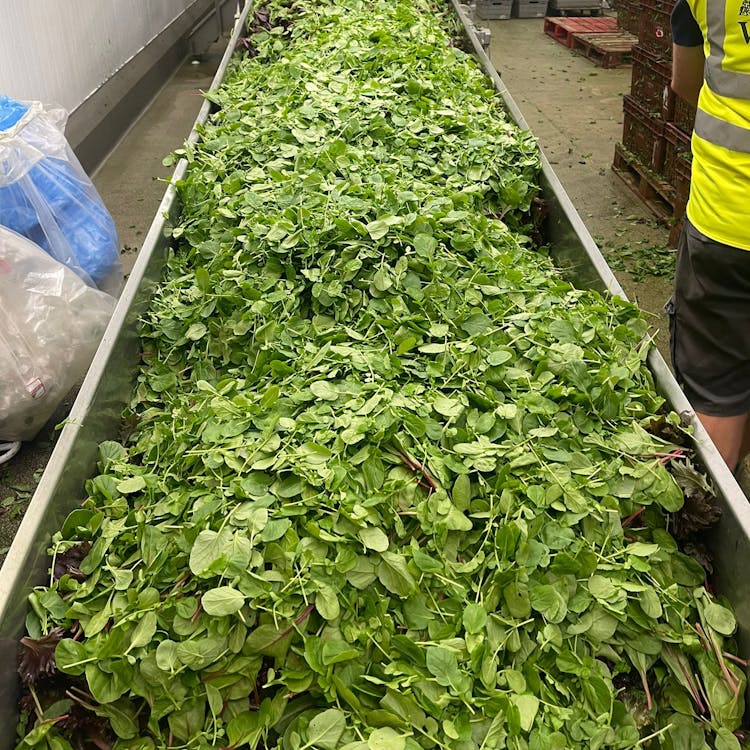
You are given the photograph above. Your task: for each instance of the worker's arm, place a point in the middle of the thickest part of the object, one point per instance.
(687, 72)
(687, 53)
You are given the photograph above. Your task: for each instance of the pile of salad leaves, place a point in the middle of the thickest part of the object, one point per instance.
(387, 482)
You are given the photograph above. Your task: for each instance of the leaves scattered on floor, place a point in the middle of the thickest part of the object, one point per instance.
(640, 260)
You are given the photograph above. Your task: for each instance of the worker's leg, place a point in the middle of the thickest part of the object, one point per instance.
(710, 337)
(745, 447)
(728, 435)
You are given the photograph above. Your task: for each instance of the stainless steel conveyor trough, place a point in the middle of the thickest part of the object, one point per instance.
(96, 414)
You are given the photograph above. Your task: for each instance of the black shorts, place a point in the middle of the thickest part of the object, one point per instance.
(710, 324)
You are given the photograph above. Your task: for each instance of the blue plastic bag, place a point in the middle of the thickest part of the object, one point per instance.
(46, 196)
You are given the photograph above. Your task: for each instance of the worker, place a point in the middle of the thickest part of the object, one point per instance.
(710, 308)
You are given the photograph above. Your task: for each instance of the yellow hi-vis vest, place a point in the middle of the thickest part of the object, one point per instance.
(719, 204)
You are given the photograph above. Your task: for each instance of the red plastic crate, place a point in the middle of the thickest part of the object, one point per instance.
(676, 145)
(643, 134)
(665, 5)
(628, 13)
(650, 81)
(682, 168)
(683, 114)
(654, 29)
(655, 192)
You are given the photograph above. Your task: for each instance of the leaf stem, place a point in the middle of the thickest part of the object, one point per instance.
(734, 687)
(429, 483)
(37, 704)
(644, 682)
(702, 636)
(736, 659)
(55, 719)
(71, 693)
(653, 735)
(627, 521)
(693, 689)
(702, 692)
(305, 614)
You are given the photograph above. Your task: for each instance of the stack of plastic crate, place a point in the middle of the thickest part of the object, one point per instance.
(680, 118)
(627, 15)
(654, 156)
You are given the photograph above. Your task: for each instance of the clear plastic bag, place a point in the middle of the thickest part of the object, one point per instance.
(46, 196)
(51, 324)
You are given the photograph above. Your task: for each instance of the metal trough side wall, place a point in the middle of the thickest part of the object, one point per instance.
(576, 253)
(96, 416)
(96, 413)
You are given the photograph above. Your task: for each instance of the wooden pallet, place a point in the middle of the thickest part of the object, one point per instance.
(562, 29)
(612, 49)
(657, 194)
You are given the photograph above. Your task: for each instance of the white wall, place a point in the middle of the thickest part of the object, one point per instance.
(62, 51)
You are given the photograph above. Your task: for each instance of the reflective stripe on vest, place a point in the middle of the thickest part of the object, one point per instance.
(722, 82)
(721, 132)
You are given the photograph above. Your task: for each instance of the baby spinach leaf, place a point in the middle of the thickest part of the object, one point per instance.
(325, 729)
(222, 601)
(71, 656)
(327, 603)
(394, 574)
(443, 665)
(386, 738)
(374, 538)
(528, 706)
(719, 618)
(130, 485)
(244, 729)
(474, 618)
(144, 630)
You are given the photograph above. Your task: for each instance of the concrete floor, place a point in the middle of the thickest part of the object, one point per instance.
(573, 107)
(131, 182)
